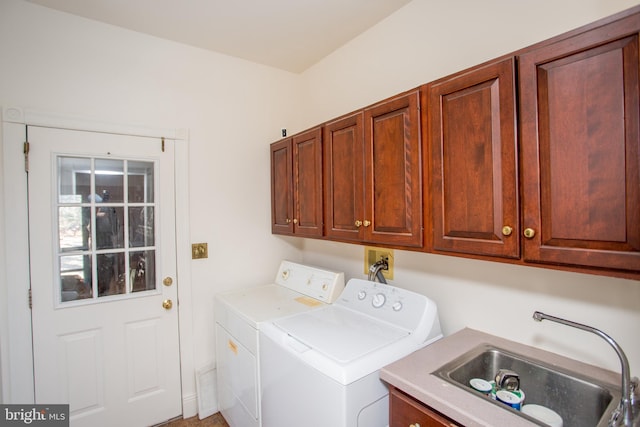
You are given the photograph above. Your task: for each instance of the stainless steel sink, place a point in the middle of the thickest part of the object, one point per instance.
(579, 400)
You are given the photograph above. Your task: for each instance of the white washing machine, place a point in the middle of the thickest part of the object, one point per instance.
(321, 368)
(239, 315)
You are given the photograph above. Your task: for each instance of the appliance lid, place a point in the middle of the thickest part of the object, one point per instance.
(339, 333)
(267, 302)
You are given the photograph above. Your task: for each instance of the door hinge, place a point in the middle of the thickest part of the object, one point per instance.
(30, 300)
(163, 144)
(25, 150)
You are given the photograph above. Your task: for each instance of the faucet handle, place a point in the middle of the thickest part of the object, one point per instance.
(616, 416)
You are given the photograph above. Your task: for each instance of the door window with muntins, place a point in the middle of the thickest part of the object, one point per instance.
(105, 212)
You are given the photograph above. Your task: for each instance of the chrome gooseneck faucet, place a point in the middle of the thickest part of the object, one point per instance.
(628, 413)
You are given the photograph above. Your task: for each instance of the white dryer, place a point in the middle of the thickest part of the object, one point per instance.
(321, 368)
(239, 315)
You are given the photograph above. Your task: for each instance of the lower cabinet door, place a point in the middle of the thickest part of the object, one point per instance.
(405, 411)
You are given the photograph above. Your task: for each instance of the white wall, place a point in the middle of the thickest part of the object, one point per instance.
(427, 40)
(58, 63)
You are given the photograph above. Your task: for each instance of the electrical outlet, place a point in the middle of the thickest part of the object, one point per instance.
(199, 250)
(373, 255)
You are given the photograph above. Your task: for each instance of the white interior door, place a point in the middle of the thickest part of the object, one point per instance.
(103, 265)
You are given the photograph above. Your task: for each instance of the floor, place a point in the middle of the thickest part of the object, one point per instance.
(214, 420)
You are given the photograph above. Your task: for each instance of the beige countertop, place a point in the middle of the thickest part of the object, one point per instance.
(412, 375)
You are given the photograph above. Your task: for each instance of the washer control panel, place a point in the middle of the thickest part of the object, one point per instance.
(398, 306)
(324, 285)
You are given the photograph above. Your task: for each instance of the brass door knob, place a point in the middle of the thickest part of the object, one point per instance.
(167, 281)
(506, 230)
(167, 304)
(366, 223)
(529, 233)
(358, 223)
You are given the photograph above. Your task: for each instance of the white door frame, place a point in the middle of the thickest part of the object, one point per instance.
(16, 357)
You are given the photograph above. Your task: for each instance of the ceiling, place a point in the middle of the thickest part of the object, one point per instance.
(288, 34)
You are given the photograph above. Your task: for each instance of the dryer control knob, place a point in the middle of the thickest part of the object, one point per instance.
(397, 306)
(378, 300)
(362, 295)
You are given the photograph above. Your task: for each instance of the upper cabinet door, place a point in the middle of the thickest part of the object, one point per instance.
(344, 178)
(580, 149)
(281, 187)
(473, 162)
(307, 183)
(393, 185)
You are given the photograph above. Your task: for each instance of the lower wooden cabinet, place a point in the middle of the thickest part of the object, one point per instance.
(405, 411)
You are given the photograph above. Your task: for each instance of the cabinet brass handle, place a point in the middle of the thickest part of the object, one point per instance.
(366, 223)
(415, 425)
(287, 220)
(529, 233)
(358, 223)
(506, 230)
(295, 220)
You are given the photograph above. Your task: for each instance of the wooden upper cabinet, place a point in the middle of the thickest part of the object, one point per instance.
(579, 102)
(474, 161)
(307, 183)
(543, 168)
(393, 186)
(296, 184)
(281, 187)
(344, 178)
(373, 189)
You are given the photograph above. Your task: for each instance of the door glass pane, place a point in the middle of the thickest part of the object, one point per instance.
(109, 227)
(106, 227)
(109, 177)
(72, 229)
(75, 277)
(140, 178)
(143, 271)
(111, 274)
(74, 179)
(141, 230)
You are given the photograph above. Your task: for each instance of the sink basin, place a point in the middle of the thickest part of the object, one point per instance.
(580, 401)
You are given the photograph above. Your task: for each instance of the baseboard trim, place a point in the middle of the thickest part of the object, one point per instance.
(189, 405)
